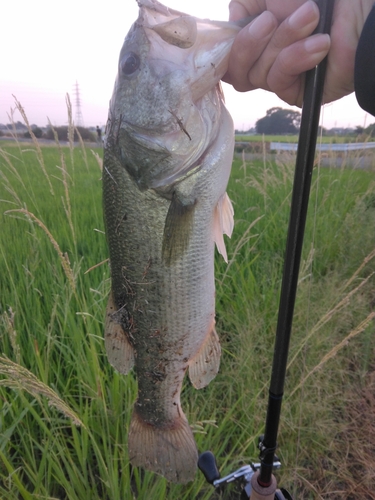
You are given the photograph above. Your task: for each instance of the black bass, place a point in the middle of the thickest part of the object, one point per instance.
(167, 159)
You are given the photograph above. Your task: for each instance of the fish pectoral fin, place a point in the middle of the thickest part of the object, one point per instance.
(177, 229)
(119, 350)
(205, 365)
(223, 223)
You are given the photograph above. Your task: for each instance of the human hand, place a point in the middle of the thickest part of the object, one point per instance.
(276, 49)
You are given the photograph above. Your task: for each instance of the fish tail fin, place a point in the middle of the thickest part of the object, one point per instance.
(169, 450)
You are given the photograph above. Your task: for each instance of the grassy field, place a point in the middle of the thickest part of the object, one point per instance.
(64, 410)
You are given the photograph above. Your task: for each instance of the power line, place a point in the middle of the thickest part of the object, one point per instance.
(78, 111)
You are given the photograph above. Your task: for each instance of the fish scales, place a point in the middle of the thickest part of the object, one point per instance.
(165, 174)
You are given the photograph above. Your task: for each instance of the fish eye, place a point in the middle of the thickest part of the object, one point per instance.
(129, 63)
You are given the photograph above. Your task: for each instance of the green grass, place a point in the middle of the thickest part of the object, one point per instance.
(64, 410)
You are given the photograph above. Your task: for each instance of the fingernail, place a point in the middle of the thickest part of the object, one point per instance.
(303, 16)
(262, 25)
(317, 43)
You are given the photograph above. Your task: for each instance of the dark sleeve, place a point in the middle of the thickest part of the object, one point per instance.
(364, 71)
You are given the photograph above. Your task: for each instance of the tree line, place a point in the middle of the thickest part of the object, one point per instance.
(280, 121)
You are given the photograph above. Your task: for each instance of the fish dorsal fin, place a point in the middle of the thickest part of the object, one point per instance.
(205, 365)
(181, 32)
(119, 350)
(223, 223)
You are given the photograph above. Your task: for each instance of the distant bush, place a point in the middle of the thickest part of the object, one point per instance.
(1, 133)
(62, 133)
(279, 121)
(38, 132)
(252, 147)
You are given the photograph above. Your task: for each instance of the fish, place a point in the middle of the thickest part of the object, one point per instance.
(168, 153)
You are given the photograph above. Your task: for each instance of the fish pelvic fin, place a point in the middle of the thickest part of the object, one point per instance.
(119, 350)
(168, 450)
(223, 223)
(205, 365)
(177, 229)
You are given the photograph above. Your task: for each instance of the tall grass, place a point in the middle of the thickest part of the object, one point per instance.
(65, 412)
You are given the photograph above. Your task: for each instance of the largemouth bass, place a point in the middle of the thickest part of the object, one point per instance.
(167, 159)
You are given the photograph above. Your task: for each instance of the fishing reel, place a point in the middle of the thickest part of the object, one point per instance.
(207, 464)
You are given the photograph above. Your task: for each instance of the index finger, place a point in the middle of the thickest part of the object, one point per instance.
(247, 47)
(238, 9)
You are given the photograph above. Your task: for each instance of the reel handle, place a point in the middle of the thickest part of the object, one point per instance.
(207, 464)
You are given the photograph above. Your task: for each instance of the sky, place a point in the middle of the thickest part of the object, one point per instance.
(47, 47)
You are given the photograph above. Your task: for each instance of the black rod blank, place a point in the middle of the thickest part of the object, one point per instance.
(313, 95)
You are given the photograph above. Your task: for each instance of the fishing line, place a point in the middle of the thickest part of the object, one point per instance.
(260, 479)
(318, 160)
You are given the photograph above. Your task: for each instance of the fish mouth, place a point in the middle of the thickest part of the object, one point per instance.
(154, 161)
(186, 57)
(199, 44)
(152, 138)
(180, 32)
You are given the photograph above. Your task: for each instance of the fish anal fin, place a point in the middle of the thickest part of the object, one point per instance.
(205, 365)
(177, 229)
(223, 223)
(120, 352)
(168, 450)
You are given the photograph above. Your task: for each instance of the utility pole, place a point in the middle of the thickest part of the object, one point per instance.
(78, 111)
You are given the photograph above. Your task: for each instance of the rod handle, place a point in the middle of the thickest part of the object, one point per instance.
(258, 492)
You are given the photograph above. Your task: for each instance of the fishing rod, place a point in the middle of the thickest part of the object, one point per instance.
(260, 483)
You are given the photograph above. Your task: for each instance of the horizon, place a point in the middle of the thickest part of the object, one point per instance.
(43, 60)
(334, 115)
(20, 125)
